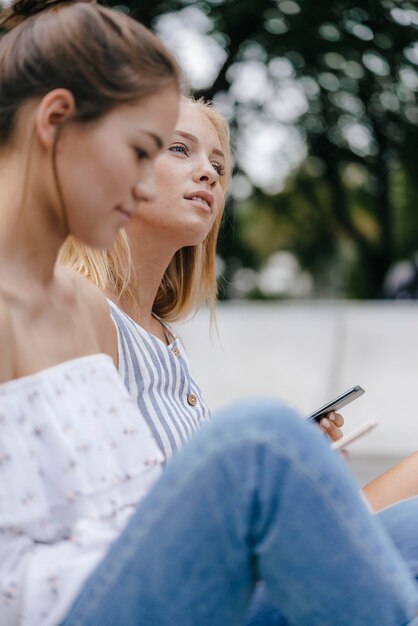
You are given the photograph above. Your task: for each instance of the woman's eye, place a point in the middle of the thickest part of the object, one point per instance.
(179, 147)
(219, 169)
(140, 154)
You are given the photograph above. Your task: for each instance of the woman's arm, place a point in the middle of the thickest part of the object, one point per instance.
(398, 483)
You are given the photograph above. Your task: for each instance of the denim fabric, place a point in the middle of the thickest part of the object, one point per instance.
(257, 494)
(399, 522)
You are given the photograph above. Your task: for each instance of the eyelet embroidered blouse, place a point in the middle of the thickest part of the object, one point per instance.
(76, 457)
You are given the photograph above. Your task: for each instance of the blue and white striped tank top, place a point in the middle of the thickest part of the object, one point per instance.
(159, 377)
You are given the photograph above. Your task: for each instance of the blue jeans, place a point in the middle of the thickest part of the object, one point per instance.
(399, 521)
(257, 494)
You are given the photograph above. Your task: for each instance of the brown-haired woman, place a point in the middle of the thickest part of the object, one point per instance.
(76, 457)
(88, 97)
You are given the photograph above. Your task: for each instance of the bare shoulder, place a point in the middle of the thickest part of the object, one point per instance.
(7, 342)
(94, 307)
(89, 297)
(83, 288)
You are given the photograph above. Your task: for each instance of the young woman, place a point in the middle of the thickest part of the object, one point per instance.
(85, 93)
(164, 269)
(88, 98)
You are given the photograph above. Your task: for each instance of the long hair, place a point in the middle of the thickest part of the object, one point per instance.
(190, 279)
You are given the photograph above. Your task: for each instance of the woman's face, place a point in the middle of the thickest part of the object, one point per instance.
(106, 168)
(188, 180)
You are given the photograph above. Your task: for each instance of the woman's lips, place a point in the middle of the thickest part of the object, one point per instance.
(203, 199)
(127, 215)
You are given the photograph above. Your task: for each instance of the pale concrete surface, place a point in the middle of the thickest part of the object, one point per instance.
(307, 353)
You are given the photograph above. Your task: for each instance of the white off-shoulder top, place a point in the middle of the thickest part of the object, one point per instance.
(75, 459)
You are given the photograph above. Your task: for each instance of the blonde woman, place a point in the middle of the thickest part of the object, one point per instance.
(163, 269)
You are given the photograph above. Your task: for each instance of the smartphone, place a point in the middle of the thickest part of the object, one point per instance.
(355, 434)
(338, 403)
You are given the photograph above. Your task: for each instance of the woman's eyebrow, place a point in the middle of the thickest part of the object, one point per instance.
(188, 136)
(156, 138)
(218, 153)
(194, 139)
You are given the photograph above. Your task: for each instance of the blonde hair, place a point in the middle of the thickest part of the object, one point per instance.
(190, 279)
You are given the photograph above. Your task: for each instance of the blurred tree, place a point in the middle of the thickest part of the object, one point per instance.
(352, 67)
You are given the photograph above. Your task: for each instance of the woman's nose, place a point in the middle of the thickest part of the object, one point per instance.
(205, 173)
(145, 190)
(145, 187)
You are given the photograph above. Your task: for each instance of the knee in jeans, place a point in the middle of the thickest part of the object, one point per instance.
(263, 414)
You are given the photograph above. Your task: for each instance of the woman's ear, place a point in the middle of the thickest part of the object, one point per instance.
(55, 108)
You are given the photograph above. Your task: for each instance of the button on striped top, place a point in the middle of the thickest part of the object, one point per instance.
(191, 399)
(159, 378)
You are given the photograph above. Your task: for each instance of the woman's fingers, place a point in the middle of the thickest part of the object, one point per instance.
(336, 418)
(331, 424)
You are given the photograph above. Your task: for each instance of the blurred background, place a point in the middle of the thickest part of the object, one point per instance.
(318, 254)
(322, 100)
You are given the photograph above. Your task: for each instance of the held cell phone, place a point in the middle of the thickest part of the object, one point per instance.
(355, 434)
(338, 403)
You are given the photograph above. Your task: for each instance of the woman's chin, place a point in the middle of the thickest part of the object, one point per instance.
(194, 235)
(103, 242)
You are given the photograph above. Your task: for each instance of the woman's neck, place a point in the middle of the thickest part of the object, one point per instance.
(149, 265)
(141, 311)
(29, 240)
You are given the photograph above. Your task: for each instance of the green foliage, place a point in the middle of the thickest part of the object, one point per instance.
(356, 64)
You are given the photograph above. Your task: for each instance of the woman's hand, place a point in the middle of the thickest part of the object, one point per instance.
(331, 424)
